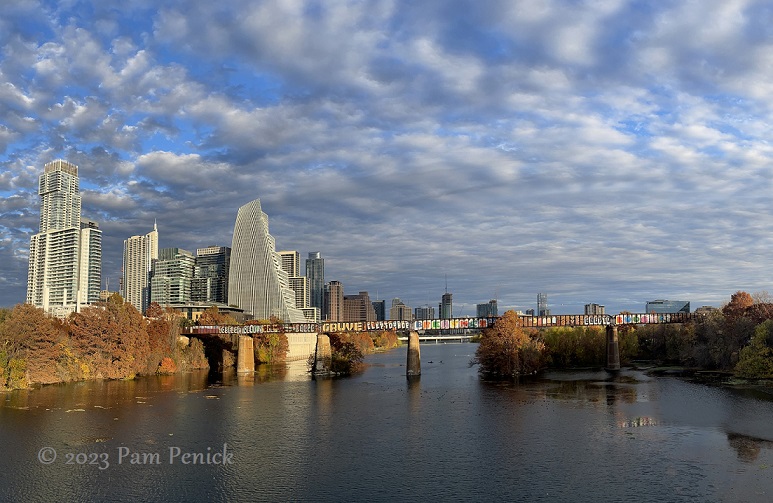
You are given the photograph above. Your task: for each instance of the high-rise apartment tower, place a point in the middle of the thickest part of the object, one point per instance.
(139, 252)
(65, 261)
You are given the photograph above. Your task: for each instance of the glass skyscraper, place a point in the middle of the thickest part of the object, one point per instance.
(66, 254)
(256, 281)
(210, 278)
(315, 278)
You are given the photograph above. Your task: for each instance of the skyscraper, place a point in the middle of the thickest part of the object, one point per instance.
(487, 310)
(65, 256)
(334, 301)
(542, 305)
(256, 281)
(210, 276)
(291, 264)
(446, 307)
(315, 277)
(139, 252)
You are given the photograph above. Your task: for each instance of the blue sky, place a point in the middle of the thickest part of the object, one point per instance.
(600, 151)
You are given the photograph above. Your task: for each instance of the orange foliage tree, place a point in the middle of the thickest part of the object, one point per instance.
(507, 350)
(31, 337)
(112, 338)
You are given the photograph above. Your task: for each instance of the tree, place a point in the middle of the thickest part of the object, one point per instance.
(506, 350)
(756, 359)
(32, 337)
(739, 302)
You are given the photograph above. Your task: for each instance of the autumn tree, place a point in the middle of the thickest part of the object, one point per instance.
(112, 337)
(33, 337)
(506, 350)
(213, 317)
(739, 302)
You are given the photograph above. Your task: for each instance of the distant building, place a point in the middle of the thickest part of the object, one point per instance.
(594, 309)
(65, 256)
(139, 252)
(256, 281)
(90, 269)
(315, 277)
(210, 276)
(399, 311)
(358, 308)
(542, 304)
(194, 311)
(667, 306)
(487, 310)
(334, 301)
(291, 261)
(530, 312)
(446, 307)
(311, 314)
(706, 310)
(424, 313)
(171, 276)
(379, 306)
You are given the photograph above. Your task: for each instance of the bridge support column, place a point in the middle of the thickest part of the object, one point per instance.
(323, 356)
(245, 360)
(613, 349)
(413, 367)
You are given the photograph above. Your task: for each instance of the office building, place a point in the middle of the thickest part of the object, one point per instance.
(171, 277)
(210, 276)
(542, 304)
(291, 264)
(667, 306)
(358, 308)
(487, 310)
(315, 277)
(424, 313)
(139, 252)
(334, 301)
(594, 309)
(256, 281)
(65, 258)
(446, 307)
(399, 311)
(379, 307)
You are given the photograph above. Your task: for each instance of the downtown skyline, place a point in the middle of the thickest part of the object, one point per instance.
(600, 152)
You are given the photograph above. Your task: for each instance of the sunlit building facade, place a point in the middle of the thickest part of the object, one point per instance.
(139, 252)
(171, 276)
(256, 281)
(65, 257)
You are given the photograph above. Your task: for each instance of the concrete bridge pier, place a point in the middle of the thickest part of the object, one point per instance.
(613, 349)
(245, 360)
(413, 367)
(323, 355)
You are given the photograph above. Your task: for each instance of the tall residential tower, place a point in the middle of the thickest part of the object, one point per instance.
(65, 262)
(256, 281)
(139, 252)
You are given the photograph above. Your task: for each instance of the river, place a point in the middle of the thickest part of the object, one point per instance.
(448, 436)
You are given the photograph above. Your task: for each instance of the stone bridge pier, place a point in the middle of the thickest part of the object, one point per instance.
(613, 349)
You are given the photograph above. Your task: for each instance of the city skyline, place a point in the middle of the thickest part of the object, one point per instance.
(610, 152)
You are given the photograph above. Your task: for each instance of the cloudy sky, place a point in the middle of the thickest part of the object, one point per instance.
(599, 151)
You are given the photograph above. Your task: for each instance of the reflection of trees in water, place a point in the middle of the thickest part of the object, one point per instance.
(592, 391)
(747, 448)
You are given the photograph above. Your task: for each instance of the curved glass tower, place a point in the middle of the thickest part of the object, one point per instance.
(256, 281)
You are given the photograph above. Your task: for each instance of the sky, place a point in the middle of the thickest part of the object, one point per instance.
(600, 151)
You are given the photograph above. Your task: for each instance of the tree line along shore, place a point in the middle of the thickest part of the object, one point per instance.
(113, 340)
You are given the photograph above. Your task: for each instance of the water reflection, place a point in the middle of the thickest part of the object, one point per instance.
(747, 448)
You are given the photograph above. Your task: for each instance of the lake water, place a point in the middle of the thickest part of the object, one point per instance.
(564, 436)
